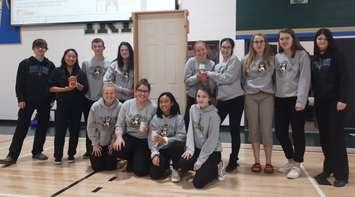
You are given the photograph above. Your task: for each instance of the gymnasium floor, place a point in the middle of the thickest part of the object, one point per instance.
(43, 178)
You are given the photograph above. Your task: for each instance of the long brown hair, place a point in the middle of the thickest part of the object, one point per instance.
(296, 45)
(251, 56)
(331, 45)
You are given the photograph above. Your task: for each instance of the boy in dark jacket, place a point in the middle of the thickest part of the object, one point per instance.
(32, 94)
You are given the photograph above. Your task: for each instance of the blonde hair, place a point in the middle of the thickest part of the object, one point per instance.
(251, 56)
(109, 85)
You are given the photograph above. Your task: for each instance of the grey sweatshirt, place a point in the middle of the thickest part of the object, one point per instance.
(203, 132)
(227, 75)
(293, 76)
(123, 78)
(102, 121)
(131, 116)
(172, 127)
(259, 78)
(191, 69)
(95, 70)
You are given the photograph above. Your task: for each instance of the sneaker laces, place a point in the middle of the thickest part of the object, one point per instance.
(220, 171)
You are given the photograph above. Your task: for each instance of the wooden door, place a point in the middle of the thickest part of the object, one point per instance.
(160, 40)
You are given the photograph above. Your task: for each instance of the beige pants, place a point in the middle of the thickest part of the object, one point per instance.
(259, 111)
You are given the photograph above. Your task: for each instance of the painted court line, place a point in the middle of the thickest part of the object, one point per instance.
(98, 188)
(72, 185)
(314, 183)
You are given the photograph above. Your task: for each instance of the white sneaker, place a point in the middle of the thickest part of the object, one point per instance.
(294, 173)
(220, 171)
(175, 176)
(285, 168)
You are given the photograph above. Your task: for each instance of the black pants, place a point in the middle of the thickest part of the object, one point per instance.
(286, 114)
(207, 172)
(67, 117)
(234, 108)
(189, 102)
(137, 154)
(332, 139)
(172, 153)
(87, 105)
(106, 161)
(23, 123)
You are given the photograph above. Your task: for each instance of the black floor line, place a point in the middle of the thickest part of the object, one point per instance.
(6, 164)
(72, 185)
(113, 178)
(96, 189)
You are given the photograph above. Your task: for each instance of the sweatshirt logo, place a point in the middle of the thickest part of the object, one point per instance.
(282, 67)
(323, 64)
(135, 121)
(163, 131)
(96, 72)
(261, 67)
(198, 125)
(108, 121)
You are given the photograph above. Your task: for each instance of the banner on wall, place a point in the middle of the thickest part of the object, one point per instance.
(8, 34)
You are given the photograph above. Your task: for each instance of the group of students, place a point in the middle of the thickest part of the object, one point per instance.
(123, 123)
(278, 87)
(75, 89)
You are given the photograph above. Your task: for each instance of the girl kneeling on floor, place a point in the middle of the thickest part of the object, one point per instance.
(132, 130)
(101, 129)
(166, 137)
(203, 147)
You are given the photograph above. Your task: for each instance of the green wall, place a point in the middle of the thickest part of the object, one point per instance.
(277, 14)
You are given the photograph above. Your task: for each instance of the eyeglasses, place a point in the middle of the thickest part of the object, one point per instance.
(142, 91)
(259, 41)
(226, 47)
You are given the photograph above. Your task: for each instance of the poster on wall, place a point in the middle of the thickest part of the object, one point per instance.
(8, 34)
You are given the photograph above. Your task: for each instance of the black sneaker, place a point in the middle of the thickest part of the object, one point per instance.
(231, 166)
(340, 183)
(86, 156)
(8, 160)
(322, 179)
(71, 159)
(40, 156)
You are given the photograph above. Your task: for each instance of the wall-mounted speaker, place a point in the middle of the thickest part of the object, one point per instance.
(298, 1)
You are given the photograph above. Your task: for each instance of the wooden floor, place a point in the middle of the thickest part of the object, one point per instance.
(43, 178)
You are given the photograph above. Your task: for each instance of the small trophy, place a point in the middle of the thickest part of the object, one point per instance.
(143, 126)
(202, 68)
(72, 80)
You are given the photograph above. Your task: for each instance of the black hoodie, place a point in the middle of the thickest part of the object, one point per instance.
(32, 80)
(329, 77)
(59, 78)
